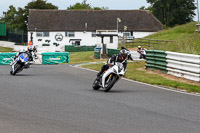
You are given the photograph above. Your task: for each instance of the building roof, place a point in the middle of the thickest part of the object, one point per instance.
(92, 20)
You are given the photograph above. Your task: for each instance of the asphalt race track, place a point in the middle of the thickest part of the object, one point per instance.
(60, 99)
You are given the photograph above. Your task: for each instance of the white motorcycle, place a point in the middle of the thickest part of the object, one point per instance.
(110, 77)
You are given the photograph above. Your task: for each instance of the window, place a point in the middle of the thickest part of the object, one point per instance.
(93, 34)
(39, 34)
(111, 39)
(76, 43)
(46, 34)
(42, 34)
(71, 34)
(66, 34)
(126, 33)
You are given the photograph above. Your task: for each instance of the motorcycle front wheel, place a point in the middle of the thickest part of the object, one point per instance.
(96, 85)
(17, 68)
(110, 82)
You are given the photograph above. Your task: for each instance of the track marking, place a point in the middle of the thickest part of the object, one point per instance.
(178, 90)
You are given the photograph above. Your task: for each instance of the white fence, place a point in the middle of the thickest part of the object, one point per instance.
(183, 65)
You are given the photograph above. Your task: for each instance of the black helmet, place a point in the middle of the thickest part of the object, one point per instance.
(122, 47)
(123, 53)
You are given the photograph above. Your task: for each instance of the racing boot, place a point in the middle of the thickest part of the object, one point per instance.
(98, 76)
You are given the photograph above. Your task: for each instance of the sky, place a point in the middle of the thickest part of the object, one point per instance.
(63, 4)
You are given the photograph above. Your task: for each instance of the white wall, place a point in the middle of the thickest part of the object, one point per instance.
(113, 45)
(86, 40)
(139, 34)
(142, 34)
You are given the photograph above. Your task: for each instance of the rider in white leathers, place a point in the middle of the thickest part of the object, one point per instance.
(121, 57)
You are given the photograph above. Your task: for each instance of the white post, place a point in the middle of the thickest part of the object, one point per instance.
(198, 25)
(117, 25)
(198, 10)
(118, 20)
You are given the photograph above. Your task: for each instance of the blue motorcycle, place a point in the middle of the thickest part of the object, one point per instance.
(19, 63)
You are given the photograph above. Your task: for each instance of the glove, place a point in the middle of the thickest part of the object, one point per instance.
(110, 64)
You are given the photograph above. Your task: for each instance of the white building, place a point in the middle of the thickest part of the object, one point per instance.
(53, 29)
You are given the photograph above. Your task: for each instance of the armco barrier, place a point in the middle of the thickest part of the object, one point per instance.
(177, 64)
(71, 48)
(6, 58)
(55, 58)
(194, 59)
(184, 65)
(156, 60)
(110, 52)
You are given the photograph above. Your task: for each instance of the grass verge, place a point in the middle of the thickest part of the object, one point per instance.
(4, 49)
(185, 39)
(82, 57)
(154, 79)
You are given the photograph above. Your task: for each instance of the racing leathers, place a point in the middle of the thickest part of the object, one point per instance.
(26, 65)
(142, 52)
(112, 60)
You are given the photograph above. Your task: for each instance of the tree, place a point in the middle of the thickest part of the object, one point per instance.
(79, 6)
(85, 5)
(37, 4)
(148, 8)
(40, 4)
(10, 18)
(172, 12)
(17, 19)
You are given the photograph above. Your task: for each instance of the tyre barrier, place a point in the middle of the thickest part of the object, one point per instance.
(178, 64)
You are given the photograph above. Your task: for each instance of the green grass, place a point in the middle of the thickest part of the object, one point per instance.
(155, 79)
(186, 39)
(4, 49)
(82, 57)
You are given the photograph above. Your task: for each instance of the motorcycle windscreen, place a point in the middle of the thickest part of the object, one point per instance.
(24, 57)
(120, 67)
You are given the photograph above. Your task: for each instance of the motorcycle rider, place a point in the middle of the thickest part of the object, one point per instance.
(142, 52)
(122, 47)
(121, 57)
(29, 53)
(34, 52)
